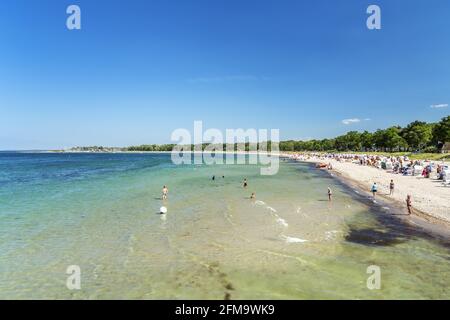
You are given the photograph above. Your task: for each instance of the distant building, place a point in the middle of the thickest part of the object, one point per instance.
(446, 148)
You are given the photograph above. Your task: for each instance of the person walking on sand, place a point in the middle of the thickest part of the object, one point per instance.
(165, 192)
(391, 188)
(330, 193)
(409, 204)
(374, 189)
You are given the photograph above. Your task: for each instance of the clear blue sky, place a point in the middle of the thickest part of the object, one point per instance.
(137, 70)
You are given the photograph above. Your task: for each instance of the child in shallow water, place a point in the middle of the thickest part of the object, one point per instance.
(409, 204)
(165, 191)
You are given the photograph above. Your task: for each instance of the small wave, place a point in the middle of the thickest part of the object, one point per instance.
(273, 212)
(282, 222)
(331, 234)
(386, 208)
(292, 239)
(262, 203)
(228, 216)
(302, 261)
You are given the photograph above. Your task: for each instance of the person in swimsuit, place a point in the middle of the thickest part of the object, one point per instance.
(165, 192)
(253, 196)
(330, 193)
(374, 189)
(409, 204)
(391, 188)
(213, 178)
(245, 183)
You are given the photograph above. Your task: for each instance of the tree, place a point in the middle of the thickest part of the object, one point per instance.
(353, 140)
(441, 131)
(327, 144)
(287, 145)
(350, 141)
(417, 134)
(367, 140)
(379, 139)
(393, 140)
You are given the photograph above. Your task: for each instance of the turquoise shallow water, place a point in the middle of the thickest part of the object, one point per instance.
(100, 212)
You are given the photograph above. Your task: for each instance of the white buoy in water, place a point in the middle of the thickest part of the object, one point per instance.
(163, 210)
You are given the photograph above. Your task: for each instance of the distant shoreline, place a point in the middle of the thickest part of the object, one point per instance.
(139, 152)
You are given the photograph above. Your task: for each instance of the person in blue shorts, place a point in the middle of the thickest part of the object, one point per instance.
(374, 189)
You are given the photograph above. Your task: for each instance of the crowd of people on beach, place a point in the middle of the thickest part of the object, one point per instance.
(395, 164)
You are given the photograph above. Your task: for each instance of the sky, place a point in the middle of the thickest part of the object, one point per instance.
(138, 70)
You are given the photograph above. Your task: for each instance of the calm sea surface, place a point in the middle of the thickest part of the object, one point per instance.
(100, 212)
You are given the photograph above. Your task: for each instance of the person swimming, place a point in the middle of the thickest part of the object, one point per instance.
(165, 192)
(213, 178)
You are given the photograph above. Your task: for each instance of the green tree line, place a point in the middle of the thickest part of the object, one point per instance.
(224, 147)
(416, 136)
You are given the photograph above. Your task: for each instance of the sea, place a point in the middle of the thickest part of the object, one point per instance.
(99, 214)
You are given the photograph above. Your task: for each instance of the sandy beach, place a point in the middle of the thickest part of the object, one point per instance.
(431, 199)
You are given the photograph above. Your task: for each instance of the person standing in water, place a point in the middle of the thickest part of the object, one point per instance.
(374, 189)
(409, 204)
(245, 185)
(391, 188)
(330, 193)
(165, 192)
(213, 178)
(253, 196)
